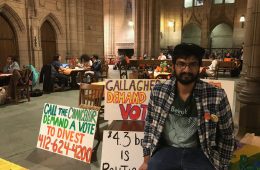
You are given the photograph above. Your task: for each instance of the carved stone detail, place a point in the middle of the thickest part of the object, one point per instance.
(58, 5)
(42, 3)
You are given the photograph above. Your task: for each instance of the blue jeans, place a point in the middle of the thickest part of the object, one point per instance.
(172, 158)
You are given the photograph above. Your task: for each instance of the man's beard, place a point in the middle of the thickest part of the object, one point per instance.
(186, 78)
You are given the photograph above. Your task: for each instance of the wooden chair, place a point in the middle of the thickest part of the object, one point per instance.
(88, 78)
(226, 66)
(123, 71)
(104, 72)
(92, 95)
(144, 73)
(22, 86)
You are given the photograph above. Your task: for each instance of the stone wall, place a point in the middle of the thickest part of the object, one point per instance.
(118, 33)
(78, 25)
(206, 17)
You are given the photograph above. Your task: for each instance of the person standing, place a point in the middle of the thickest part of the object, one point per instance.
(189, 122)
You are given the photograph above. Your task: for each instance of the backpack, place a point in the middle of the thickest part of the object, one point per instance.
(36, 93)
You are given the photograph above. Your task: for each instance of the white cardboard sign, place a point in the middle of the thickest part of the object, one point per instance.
(122, 150)
(68, 131)
(228, 86)
(127, 99)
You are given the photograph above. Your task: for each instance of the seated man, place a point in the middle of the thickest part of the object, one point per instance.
(57, 71)
(85, 62)
(211, 70)
(162, 57)
(11, 65)
(236, 70)
(9, 68)
(96, 66)
(122, 60)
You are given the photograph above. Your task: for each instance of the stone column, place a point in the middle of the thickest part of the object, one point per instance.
(67, 21)
(73, 28)
(147, 27)
(137, 27)
(35, 36)
(154, 28)
(109, 25)
(249, 96)
(37, 50)
(205, 35)
(80, 26)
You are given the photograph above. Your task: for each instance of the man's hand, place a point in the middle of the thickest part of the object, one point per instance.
(144, 166)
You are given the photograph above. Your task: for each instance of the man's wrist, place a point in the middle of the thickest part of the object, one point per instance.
(146, 159)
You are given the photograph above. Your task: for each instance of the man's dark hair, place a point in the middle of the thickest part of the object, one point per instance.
(56, 57)
(95, 56)
(12, 58)
(185, 50)
(84, 57)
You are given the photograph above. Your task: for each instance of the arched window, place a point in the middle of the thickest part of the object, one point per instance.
(218, 1)
(229, 1)
(191, 3)
(8, 41)
(221, 36)
(191, 34)
(48, 42)
(198, 2)
(188, 3)
(224, 1)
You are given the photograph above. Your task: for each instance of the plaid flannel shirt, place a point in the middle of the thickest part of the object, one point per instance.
(216, 138)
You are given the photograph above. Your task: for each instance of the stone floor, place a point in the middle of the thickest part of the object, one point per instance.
(19, 128)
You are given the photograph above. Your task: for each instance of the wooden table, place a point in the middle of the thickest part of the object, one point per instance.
(127, 125)
(73, 76)
(4, 75)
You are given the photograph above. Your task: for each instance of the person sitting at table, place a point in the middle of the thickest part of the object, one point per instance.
(11, 65)
(96, 66)
(86, 62)
(145, 56)
(211, 70)
(162, 57)
(58, 70)
(236, 70)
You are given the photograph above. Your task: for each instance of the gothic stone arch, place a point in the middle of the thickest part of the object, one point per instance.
(20, 31)
(57, 26)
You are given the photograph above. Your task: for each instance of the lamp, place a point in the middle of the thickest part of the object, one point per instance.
(130, 23)
(242, 20)
(172, 25)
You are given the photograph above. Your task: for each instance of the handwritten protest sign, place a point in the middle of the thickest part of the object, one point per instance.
(122, 150)
(127, 99)
(68, 131)
(228, 86)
